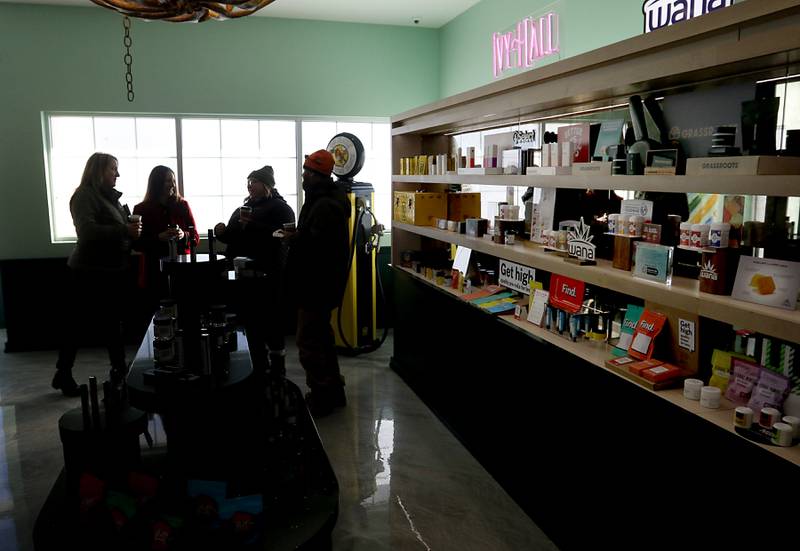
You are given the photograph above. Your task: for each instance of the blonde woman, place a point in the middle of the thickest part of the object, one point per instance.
(98, 266)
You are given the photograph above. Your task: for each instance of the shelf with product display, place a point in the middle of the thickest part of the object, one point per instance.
(683, 293)
(778, 186)
(477, 370)
(597, 354)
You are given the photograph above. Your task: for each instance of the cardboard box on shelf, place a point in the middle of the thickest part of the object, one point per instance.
(419, 208)
(461, 206)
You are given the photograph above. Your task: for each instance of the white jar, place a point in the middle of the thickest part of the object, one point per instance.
(700, 235)
(719, 234)
(782, 434)
(710, 397)
(686, 234)
(692, 389)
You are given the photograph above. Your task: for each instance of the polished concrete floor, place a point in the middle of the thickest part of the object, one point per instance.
(405, 481)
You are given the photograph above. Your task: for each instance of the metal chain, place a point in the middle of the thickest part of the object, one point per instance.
(128, 59)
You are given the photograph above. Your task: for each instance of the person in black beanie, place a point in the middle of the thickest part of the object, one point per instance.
(249, 234)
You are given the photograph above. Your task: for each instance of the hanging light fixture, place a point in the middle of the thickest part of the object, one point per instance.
(184, 10)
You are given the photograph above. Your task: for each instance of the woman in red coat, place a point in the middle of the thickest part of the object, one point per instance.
(165, 216)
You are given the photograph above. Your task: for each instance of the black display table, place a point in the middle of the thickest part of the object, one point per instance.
(224, 432)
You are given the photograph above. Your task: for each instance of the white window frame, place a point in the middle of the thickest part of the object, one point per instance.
(179, 118)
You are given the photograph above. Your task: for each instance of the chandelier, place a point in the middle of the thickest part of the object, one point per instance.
(184, 10)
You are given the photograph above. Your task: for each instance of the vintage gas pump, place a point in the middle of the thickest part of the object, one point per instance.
(355, 321)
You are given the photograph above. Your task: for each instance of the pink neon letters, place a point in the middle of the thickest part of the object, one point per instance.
(534, 39)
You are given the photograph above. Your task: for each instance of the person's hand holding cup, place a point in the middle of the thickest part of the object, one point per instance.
(135, 225)
(245, 214)
(288, 231)
(219, 229)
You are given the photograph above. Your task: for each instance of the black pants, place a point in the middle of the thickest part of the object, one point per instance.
(317, 349)
(93, 312)
(262, 310)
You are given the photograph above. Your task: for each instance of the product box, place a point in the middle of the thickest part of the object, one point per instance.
(548, 170)
(663, 373)
(579, 136)
(756, 165)
(461, 206)
(638, 367)
(595, 168)
(476, 227)
(419, 208)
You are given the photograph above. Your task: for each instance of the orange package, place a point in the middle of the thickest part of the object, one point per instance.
(644, 338)
(638, 367)
(662, 373)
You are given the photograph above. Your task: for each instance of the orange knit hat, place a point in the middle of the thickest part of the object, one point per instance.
(320, 161)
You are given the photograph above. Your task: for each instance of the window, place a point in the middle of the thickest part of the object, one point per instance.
(211, 157)
(139, 143)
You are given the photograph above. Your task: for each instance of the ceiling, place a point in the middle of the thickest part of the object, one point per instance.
(430, 13)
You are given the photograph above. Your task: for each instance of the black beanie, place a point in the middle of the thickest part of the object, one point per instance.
(265, 175)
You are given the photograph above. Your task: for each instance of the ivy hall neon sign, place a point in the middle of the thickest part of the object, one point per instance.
(533, 39)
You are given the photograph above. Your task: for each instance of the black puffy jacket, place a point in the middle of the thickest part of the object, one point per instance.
(254, 239)
(319, 253)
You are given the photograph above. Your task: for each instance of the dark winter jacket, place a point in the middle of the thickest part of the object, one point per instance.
(102, 227)
(254, 239)
(319, 252)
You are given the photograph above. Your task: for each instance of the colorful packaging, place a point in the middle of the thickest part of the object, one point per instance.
(770, 391)
(744, 376)
(242, 518)
(122, 508)
(721, 368)
(644, 339)
(629, 327)
(206, 498)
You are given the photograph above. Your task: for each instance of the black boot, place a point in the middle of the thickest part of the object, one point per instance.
(63, 381)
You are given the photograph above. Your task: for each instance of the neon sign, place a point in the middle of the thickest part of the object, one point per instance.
(663, 13)
(534, 38)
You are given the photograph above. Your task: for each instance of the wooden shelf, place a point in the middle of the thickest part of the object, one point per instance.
(683, 294)
(759, 39)
(775, 186)
(597, 354)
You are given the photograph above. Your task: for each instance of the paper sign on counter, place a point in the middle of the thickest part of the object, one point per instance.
(461, 262)
(536, 314)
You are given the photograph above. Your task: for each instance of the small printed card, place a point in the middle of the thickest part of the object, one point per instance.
(536, 313)
(768, 282)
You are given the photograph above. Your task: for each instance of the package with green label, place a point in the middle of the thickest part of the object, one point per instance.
(628, 329)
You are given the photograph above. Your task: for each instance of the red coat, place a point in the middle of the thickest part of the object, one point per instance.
(155, 219)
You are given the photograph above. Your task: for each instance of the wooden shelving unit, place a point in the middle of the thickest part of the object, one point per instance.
(683, 293)
(597, 354)
(776, 186)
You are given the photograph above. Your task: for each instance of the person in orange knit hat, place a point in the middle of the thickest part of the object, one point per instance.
(319, 254)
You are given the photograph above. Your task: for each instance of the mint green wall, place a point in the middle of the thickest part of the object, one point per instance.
(70, 59)
(466, 42)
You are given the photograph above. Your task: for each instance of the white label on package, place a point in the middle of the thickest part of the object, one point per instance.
(641, 343)
(624, 341)
(686, 338)
(634, 207)
(657, 370)
(516, 276)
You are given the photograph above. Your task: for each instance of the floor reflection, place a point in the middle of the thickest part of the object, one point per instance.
(405, 481)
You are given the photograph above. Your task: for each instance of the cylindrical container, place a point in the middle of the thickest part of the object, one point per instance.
(510, 238)
(743, 417)
(552, 238)
(768, 417)
(452, 225)
(710, 397)
(470, 157)
(795, 423)
(699, 235)
(164, 327)
(686, 234)
(613, 221)
(622, 224)
(718, 235)
(168, 308)
(561, 240)
(692, 389)
(164, 351)
(635, 226)
(714, 268)
(782, 434)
